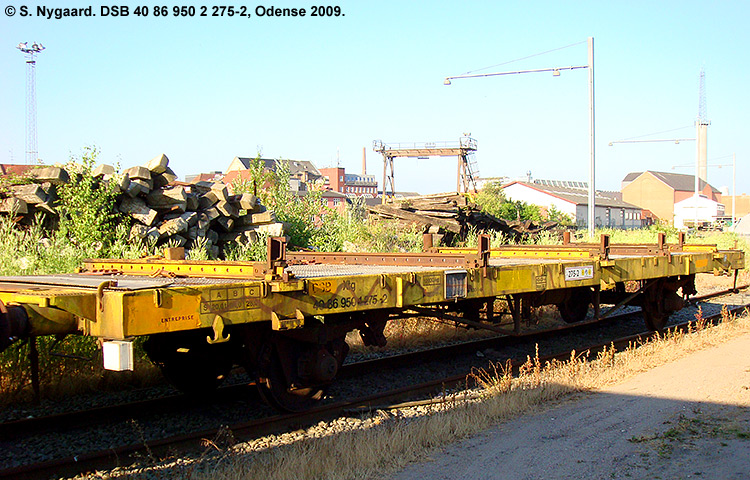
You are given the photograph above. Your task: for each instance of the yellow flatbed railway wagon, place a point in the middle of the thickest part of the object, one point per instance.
(285, 320)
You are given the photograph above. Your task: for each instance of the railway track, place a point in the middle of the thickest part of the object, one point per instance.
(21, 428)
(276, 423)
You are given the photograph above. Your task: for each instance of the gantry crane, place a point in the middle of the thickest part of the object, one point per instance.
(463, 149)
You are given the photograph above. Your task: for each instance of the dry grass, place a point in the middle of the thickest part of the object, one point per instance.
(65, 369)
(383, 442)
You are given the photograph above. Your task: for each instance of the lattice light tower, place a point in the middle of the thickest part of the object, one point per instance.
(29, 52)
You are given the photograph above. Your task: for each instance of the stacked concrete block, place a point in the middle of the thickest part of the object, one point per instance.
(160, 209)
(201, 214)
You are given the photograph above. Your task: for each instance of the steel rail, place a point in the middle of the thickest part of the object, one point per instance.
(111, 457)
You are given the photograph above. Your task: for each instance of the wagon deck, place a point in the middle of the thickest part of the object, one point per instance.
(289, 316)
(119, 299)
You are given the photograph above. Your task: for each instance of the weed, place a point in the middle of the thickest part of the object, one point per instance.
(252, 251)
(492, 200)
(200, 250)
(88, 217)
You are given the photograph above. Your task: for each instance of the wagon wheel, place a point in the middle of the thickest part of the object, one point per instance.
(576, 305)
(654, 314)
(659, 301)
(293, 376)
(188, 363)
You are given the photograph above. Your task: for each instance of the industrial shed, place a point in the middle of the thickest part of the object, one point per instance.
(610, 211)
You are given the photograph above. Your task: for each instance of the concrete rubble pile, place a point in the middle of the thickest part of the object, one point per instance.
(451, 215)
(162, 210)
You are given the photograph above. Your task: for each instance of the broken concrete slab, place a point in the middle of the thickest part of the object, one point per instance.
(54, 175)
(137, 208)
(158, 164)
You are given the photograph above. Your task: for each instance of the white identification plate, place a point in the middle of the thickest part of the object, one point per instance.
(579, 273)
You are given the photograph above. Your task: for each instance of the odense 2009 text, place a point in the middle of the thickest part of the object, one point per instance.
(222, 11)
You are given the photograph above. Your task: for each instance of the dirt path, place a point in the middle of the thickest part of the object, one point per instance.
(686, 419)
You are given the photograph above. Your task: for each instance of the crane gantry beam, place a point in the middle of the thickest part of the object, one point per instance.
(466, 146)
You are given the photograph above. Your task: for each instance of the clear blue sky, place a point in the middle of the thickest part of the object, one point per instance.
(204, 90)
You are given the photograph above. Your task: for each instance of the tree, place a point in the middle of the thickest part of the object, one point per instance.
(492, 200)
(260, 177)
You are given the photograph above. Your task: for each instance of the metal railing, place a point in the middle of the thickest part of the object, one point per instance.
(466, 143)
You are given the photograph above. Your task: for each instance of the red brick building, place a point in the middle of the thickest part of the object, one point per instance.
(337, 180)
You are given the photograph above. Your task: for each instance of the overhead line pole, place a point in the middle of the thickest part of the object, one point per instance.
(556, 72)
(592, 130)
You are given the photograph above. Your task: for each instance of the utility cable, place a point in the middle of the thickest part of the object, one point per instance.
(524, 58)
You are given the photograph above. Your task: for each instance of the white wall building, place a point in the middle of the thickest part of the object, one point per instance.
(701, 209)
(610, 211)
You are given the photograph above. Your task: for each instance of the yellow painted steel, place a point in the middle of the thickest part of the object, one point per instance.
(580, 250)
(530, 252)
(162, 267)
(122, 313)
(699, 248)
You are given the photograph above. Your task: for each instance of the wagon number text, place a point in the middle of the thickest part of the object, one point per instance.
(579, 273)
(350, 302)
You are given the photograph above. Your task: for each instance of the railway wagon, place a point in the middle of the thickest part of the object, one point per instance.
(285, 320)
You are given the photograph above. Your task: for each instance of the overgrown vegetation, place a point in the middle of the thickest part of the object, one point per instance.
(310, 223)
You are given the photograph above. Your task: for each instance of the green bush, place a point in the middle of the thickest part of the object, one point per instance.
(88, 217)
(492, 200)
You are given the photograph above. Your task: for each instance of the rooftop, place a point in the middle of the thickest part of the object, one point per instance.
(295, 166)
(678, 181)
(578, 196)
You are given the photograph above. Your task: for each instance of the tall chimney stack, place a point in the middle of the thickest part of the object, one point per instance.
(703, 150)
(364, 161)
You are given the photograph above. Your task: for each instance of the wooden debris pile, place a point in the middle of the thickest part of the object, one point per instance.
(162, 210)
(451, 215)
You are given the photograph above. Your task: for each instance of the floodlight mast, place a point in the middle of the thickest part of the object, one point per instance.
(32, 154)
(592, 131)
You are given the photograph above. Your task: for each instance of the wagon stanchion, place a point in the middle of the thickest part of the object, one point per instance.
(34, 369)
